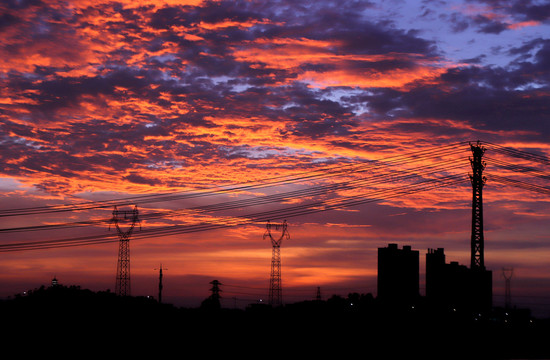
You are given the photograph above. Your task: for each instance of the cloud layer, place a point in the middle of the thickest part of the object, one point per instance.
(144, 97)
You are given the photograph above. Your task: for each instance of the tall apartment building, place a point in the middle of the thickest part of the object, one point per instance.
(398, 275)
(452, 285)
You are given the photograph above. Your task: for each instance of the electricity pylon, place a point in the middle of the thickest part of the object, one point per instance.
(215, 290)
(275, 289)
(122, 286)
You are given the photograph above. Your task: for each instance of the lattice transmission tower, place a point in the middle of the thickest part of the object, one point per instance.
(275, 288)
(131, 218)
(478, 181)
(216, 290)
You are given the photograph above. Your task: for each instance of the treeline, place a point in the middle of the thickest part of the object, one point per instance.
(357, 322)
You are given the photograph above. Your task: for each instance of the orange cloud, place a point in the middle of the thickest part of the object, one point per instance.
(230, 23)
(370, 79)
(130, 4)
(293, 53)
(519, 25)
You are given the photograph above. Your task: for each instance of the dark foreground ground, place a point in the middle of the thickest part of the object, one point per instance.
(70, 322)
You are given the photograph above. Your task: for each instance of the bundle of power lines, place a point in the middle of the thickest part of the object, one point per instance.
(367, 181)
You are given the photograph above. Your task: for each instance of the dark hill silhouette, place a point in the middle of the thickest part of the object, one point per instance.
(340, 325)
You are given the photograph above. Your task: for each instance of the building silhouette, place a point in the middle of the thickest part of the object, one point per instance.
(455, 286)
(398, 279)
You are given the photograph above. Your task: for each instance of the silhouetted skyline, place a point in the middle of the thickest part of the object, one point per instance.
(342, 324)
(189, 107)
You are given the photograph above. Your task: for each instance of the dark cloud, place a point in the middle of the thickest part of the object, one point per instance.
(488, 99)
(8, 19)
(532, 11)
(475, 60)
(201, 73)
(58, 92)
(21, 4)
(488, 25)
(138, 179)
(498, 16)
(458, 22)
(520, 10)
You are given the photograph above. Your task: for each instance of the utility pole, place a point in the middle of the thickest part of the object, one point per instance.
(275, 289)
(122, 286)
(160, 283)
(478, 181)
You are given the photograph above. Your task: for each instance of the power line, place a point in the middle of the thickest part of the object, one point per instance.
(253, 218)
(524, 170)
(521, 154)
(379, 173)
(373, 179)
(520, 184)
(321, 173)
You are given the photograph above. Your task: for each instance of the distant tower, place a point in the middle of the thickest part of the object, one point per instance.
(122, 286)
(318, 296)
(478, 181)
(275, 290)
(215, 290)
(507, 274)
(160, 283)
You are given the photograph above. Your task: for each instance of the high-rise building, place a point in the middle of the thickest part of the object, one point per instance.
(398, 275)
(450, 285)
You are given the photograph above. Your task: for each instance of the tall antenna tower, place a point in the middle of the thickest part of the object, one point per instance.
(275, 290)
(478, 181)
(160, 282)
(507, 274)
(122, 286)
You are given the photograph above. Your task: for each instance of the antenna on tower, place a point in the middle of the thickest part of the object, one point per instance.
(122, 286)
(275, 289)
(160, 282)
(507, 274)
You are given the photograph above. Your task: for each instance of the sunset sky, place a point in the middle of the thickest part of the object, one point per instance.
(104, 100)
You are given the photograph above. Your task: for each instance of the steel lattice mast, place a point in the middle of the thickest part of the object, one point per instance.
(275, 288)
(478, 181)
(122, 286)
